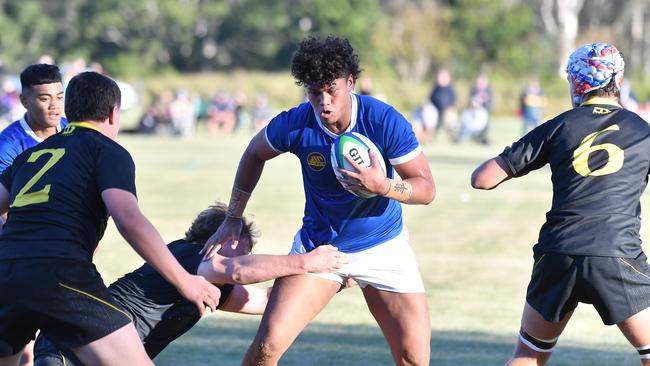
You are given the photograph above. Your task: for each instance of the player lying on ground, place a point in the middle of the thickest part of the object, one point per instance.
(160, 313)
(59, 194)
(589, 249)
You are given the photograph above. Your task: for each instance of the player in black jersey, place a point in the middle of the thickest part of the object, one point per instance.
(59, 195)
(160, 313)
(589, 249)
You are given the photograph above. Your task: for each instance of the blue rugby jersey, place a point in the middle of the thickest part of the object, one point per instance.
(18, 137)
(332, 214)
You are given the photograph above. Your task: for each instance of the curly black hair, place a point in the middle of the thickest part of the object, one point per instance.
(318, 62)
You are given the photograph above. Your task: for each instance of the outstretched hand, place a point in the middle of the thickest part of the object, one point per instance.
(325, 258)
(199, 291)
(370, 179)
(229, 230)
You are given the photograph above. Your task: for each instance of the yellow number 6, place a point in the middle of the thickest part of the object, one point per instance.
(581, 155)
(43, 195)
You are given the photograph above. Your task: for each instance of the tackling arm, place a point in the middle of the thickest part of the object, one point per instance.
(246, 269)
(491, 173)
(147, 242)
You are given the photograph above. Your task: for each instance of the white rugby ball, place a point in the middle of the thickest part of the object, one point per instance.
(357, 147)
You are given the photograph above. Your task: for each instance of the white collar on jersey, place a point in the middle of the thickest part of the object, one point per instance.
(28, 130)
(353, 118)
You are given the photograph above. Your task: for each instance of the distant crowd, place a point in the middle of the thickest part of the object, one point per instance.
(179, 112)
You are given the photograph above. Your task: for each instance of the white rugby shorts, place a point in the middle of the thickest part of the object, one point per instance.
(389, 266)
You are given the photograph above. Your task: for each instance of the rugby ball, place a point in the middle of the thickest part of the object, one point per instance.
(357, 147)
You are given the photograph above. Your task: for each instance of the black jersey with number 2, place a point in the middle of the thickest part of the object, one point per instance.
(56, 208)
(599, 156)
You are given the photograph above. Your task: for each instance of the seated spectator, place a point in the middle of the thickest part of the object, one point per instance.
(222, 114)
(425, 121)
(182, 113)
(261, 111)
(473, 122)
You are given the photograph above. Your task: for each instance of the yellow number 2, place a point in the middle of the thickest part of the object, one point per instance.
(615, 159)
(43, 195)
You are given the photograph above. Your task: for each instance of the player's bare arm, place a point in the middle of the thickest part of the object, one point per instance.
(491, 173)
(147, 242)
(247, 269)
(248, 174)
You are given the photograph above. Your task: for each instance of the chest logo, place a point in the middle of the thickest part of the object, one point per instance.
(316, 161)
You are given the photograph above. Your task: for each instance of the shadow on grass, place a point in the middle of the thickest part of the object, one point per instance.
(224, 342)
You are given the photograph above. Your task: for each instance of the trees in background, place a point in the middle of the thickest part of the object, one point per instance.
(410, 38)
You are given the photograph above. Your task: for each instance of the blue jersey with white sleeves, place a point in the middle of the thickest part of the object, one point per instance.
(332, 214)
(18, 137)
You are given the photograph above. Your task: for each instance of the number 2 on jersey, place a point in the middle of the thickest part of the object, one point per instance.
(615, 154)
(23, 198)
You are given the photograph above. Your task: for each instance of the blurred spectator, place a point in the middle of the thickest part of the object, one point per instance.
(182, 113)
(532, 103)
(473, 122)
(261, 111)
(222, 114)
(243, 119)
(644, 110)
(425, 121)
(628, 99)
(46, 59)
(70, 70)
(10, 107)
(482, 93)
(443, 97)
(365, 85)
(156, 118)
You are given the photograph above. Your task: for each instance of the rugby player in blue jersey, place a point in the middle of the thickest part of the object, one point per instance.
(42, 97)
(589, 249)
(370, 230)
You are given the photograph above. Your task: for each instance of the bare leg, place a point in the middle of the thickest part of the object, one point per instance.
(11, 360)
(27, 358)
(404, 320)
(533, 324)
(122, 347)
(637, 330)
(294, 302)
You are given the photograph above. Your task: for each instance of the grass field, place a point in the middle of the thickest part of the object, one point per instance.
(474, 250)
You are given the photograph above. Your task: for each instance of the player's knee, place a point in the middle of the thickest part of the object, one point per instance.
(264, 351)
(413, 356)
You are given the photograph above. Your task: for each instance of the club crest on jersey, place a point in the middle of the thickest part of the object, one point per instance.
(600, 110)
(316, 161)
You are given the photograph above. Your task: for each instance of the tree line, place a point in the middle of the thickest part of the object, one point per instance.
(408, 38)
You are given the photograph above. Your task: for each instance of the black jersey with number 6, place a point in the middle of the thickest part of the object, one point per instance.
(56, 208)
(599, 156)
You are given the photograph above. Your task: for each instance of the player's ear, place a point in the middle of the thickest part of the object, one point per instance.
(23, 100)
(114, 115)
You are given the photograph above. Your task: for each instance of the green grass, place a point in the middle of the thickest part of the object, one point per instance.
(474, 250)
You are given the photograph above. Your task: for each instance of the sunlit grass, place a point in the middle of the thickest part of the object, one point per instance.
(474, 250)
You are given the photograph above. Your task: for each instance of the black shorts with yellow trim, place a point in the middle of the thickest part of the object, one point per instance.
(617, 287)
(66, 299)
